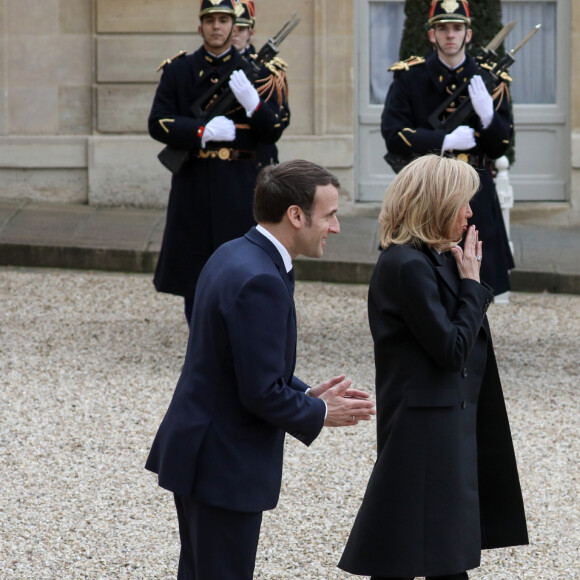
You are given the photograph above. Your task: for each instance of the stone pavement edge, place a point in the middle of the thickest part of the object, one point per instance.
(75, 236)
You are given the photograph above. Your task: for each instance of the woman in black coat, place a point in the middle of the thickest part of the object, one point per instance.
(445, 484)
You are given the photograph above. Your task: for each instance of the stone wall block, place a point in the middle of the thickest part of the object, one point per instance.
(336, 151)
(575, 66)
(575, 149)
(54, 185)
(126, 171)
(135, 59)
(3, 80)
(75, 16)
(124, 108)
(43, 152)
(139, 16)
(340, 85)
(50, 60)
(33, 112)
(34, 17)
(75, 110)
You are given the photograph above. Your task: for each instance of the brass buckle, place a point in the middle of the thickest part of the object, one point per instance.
(224, 154)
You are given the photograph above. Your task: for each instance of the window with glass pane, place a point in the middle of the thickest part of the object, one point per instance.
(534, 71)
(386, 28)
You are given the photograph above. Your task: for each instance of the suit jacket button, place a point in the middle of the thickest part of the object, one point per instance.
(463, 404)
(464, 373)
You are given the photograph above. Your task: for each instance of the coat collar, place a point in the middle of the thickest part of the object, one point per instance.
(442, 76)
(211, 67)
(445, 267)
(259, 239)
(227, 58)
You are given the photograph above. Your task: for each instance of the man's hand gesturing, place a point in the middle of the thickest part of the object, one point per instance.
(345, 406)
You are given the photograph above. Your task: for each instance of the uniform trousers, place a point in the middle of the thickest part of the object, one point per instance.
(216, 543)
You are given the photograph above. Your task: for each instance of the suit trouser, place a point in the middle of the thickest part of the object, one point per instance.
(216, 543)
(461, 576)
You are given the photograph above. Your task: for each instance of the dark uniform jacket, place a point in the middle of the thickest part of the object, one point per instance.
(211, 200)
(445, 484)
(416, 93)
(222, 438)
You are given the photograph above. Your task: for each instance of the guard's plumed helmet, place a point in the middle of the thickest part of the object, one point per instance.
(245, 13)
(449, 11)
(216, 6)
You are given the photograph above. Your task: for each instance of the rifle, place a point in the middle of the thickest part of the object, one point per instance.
(498, 69)
(219, 97)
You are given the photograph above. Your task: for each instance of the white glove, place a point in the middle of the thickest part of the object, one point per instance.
(244, 91)
(462, 139)
(218, 129)
(481, 100)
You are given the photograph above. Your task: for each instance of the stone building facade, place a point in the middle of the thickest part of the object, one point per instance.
(77, 78)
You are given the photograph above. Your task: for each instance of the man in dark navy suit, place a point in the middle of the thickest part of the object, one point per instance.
(219, 448)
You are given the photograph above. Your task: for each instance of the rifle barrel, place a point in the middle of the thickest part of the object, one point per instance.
(500, 36)
(526, 38)
(288, 27)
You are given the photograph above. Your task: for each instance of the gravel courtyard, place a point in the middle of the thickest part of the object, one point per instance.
(89, 362)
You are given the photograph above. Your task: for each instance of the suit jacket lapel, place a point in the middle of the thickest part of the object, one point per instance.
(444, 265)
(257, 238)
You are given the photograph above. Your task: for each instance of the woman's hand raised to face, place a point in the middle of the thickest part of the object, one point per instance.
(469, 258)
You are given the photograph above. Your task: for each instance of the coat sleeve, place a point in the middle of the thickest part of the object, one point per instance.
(448, 339)
(166, 124)
(259, 325)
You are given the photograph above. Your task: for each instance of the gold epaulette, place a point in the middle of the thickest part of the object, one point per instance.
(407, 63)
(490, 66)
(276, 66)
(170, 60)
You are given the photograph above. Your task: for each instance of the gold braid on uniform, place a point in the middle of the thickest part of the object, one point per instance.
(276, 82)
(499, 93)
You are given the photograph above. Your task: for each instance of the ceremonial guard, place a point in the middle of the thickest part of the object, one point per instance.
(266, 153)
(211, 197)
(244, 29)
(419, 88)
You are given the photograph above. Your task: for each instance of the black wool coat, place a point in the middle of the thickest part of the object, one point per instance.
(416, 93)
(211, 200)
(445, 483)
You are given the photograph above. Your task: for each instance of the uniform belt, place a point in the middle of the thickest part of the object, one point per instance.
(226, 154)
(473, 160)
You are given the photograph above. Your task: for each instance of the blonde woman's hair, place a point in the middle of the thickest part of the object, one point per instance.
(422, 203)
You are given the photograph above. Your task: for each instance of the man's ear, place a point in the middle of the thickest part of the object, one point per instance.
(431, 35)
(295, 216)
(199, 29)
(468, 36)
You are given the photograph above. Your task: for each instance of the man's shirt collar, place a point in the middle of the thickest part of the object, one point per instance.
(279, 246)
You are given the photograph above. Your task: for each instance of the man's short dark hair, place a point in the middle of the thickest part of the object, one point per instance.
(288, 183)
